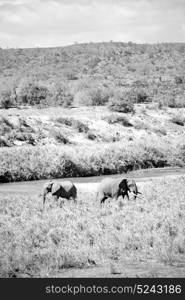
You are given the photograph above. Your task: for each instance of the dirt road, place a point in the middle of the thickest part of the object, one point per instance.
(89, 183)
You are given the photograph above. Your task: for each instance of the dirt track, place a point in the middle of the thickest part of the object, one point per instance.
(89, 183)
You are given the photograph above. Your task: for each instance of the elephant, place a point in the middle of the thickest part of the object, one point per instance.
(110, 187)
(133, 187)
(64, 189)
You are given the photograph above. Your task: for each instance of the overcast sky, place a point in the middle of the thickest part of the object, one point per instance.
(48, 23)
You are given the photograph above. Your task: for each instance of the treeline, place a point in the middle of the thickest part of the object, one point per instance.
(93, 74)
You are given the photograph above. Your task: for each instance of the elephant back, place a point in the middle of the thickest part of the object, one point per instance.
(69, 188)
(67, 185)
(106, 186)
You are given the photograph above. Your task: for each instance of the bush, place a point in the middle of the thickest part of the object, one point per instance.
(70, 74)
(118, 119)
(91, 94)
(179, 79)
(59, 136)
(5, 126)
(22, 136)
(4, 142)
(80, 126)
(141, 95)
(121, 102)
(65, 121)
(179, 120)
(62, 95)
(99, 95)
(32, 93)
(176, 103)
(6, 100)
(82, 98)
(76, 124)
(91, 136)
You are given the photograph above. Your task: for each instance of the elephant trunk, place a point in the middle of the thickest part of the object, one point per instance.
(136, 195)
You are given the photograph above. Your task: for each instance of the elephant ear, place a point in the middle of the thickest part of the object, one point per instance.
(123, 184)
(56, 187)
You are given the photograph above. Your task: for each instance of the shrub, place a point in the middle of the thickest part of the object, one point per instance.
(76, 124)
(32, 93)
(179, 79)
(121, 102)
(4, 142)
(5, 126)
(182, 152)
(70, 74)
(91, 94)
(141, 125)
(80, 126)
(159, 130)
(141, 95)
(62, 95)
(22, 136)
(175, 102)
(82, 98)
(59, 136)
(179, 120)
(99, 95)
(65, 121)
(91, 136)
(6, 100)
(113, 119)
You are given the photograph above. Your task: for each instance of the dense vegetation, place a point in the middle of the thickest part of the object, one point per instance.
(56, 161)
(94, 74)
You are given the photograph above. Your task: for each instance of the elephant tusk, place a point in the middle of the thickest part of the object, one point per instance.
(136, 195)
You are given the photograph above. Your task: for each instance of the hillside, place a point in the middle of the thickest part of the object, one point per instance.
(90, 73)
(91, 109)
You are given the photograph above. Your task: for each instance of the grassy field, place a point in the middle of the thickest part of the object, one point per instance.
(121, 238)
(89, 110)
(85, 141)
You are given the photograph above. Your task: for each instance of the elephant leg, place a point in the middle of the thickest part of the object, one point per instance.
(55, 198)
(103, 199)
(125, 194)
(117, 196)
(74, 199)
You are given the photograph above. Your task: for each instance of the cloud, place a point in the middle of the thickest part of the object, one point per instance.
(28, 23)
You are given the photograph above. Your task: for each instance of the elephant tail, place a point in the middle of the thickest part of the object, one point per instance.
(97, 194)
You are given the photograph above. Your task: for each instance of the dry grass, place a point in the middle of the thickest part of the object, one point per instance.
(65, 236)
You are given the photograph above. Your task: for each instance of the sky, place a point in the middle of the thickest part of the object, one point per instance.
(50, 23)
